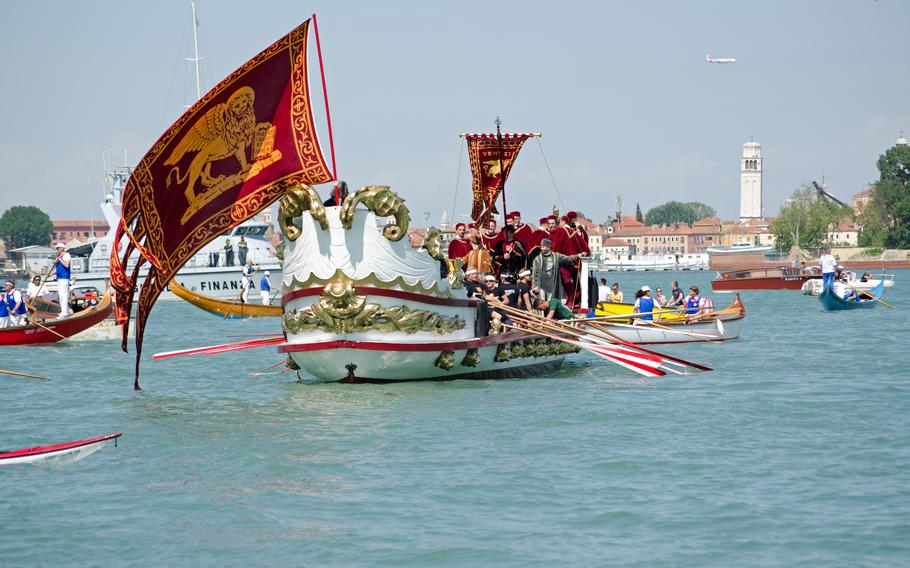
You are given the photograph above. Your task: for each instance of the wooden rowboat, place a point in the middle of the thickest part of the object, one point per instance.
(224, 308)
(54, 330)
(58, 453)
(831, 300)
(719, 325)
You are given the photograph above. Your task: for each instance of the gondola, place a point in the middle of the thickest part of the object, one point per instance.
(224, 308)
(51, 331)
(830, 300)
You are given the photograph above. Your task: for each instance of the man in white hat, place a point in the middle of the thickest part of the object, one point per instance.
(265, 287)
(644, 304)
(62, 267)
(472, 283)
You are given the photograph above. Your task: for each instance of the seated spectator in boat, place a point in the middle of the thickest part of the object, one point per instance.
(839, 274)
(867, 276)
(660, 298)
(35, 289)
(615, 295)
(676, 296)
(696, 306)
(603, 291)
(90, 299)
(554, 309)
(645, 305)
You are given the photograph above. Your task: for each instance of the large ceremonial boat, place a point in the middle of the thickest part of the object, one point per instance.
(360, 304)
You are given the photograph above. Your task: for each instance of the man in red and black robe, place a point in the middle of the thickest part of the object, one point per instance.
(459, 246)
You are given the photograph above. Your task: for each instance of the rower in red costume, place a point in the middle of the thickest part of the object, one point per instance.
(491, 236)
(521, 232)
(459, 246)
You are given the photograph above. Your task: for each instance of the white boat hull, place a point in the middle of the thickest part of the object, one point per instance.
(700, 332)
(814, 287)
(221, 282)
(395, 363)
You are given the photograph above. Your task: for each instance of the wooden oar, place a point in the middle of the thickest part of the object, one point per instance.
(15, 374)
(563, 324)
(618, 355)
(648, 369)
(263, 370)
(223, 348)
(622, 341)
(45, 328)
(865, 293)
(695, 334)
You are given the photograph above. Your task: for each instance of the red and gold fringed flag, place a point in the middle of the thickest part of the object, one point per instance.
(229, 156)
(491, 161)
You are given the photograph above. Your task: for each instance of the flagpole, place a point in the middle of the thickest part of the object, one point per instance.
(328, 117)
(502, 175)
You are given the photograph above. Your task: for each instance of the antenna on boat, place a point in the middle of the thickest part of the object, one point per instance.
(195, 59)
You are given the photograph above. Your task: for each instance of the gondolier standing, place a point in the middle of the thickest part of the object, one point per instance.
(265, 288)
(246, 280)
(828, 264)
(62, 266)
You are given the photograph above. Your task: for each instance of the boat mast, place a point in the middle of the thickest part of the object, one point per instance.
(502, 175)
(195, 59)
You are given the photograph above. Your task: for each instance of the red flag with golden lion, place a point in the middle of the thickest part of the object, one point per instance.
(491, 157)
(228, 157)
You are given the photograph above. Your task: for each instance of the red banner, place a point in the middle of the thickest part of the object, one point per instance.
(228, 157)
(491, 158)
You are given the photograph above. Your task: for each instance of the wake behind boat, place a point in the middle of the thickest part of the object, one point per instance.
(57, 454)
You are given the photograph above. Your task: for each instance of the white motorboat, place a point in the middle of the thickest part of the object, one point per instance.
(211, 271)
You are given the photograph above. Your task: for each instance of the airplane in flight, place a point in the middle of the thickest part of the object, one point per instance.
(721, 60)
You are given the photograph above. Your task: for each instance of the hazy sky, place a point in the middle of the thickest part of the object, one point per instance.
(620, 90)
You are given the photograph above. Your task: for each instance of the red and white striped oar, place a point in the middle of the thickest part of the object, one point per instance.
(641, 364)
(223, 348)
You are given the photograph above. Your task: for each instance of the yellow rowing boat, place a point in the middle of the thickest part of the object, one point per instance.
(224, 308)
(612, 310)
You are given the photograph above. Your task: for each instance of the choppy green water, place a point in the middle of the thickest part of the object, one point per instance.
(794, 452)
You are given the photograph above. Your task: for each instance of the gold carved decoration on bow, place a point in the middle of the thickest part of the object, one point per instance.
(341, 310)
(295, 202)
(382, 201)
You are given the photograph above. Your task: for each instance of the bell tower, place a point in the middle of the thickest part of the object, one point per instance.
(750, 180)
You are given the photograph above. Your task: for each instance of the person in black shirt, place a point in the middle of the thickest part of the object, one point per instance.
(524, 296)
(509, 255)
(676, 296)
(472, 286)
(342, 194)
(508, 292)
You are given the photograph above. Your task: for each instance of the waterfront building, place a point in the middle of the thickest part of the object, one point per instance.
(69, 230)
